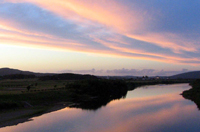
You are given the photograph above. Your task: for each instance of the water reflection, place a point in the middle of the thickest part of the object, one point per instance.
(155, 90)
(162, 112)
(95, 103)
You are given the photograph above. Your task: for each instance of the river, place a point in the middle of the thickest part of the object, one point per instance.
(157, 108)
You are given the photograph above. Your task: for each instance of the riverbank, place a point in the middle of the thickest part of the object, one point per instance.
(15, 117)
(18, 107)
(193, 94)
(21, 106)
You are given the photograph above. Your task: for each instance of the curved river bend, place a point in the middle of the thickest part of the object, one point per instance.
(157, 108)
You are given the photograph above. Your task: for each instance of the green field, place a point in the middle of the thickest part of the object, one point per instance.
(20, 86)
(15, 95)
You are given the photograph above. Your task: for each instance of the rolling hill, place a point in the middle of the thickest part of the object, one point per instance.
(9, 71)
(187, 75)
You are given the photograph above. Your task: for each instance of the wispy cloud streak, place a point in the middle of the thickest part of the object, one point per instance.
(142, 30)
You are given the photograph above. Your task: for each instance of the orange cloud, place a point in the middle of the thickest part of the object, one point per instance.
(148, 55)
(164, 41)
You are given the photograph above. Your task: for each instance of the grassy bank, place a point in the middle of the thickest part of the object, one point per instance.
(193, 93)
(49, 93)
(18, 103)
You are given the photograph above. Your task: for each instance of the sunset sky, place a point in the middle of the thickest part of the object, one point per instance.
(101, 37)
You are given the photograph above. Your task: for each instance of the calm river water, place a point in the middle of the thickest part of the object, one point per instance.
(157, 108)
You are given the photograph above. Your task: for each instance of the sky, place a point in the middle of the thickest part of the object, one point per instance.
(101, 37)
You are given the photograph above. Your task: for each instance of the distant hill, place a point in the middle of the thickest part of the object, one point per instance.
(9, 71)
(188, 75)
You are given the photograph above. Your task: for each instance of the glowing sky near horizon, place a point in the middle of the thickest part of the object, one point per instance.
(104, 37)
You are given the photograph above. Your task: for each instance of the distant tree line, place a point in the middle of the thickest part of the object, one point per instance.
(67, 76)
(93, 94)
